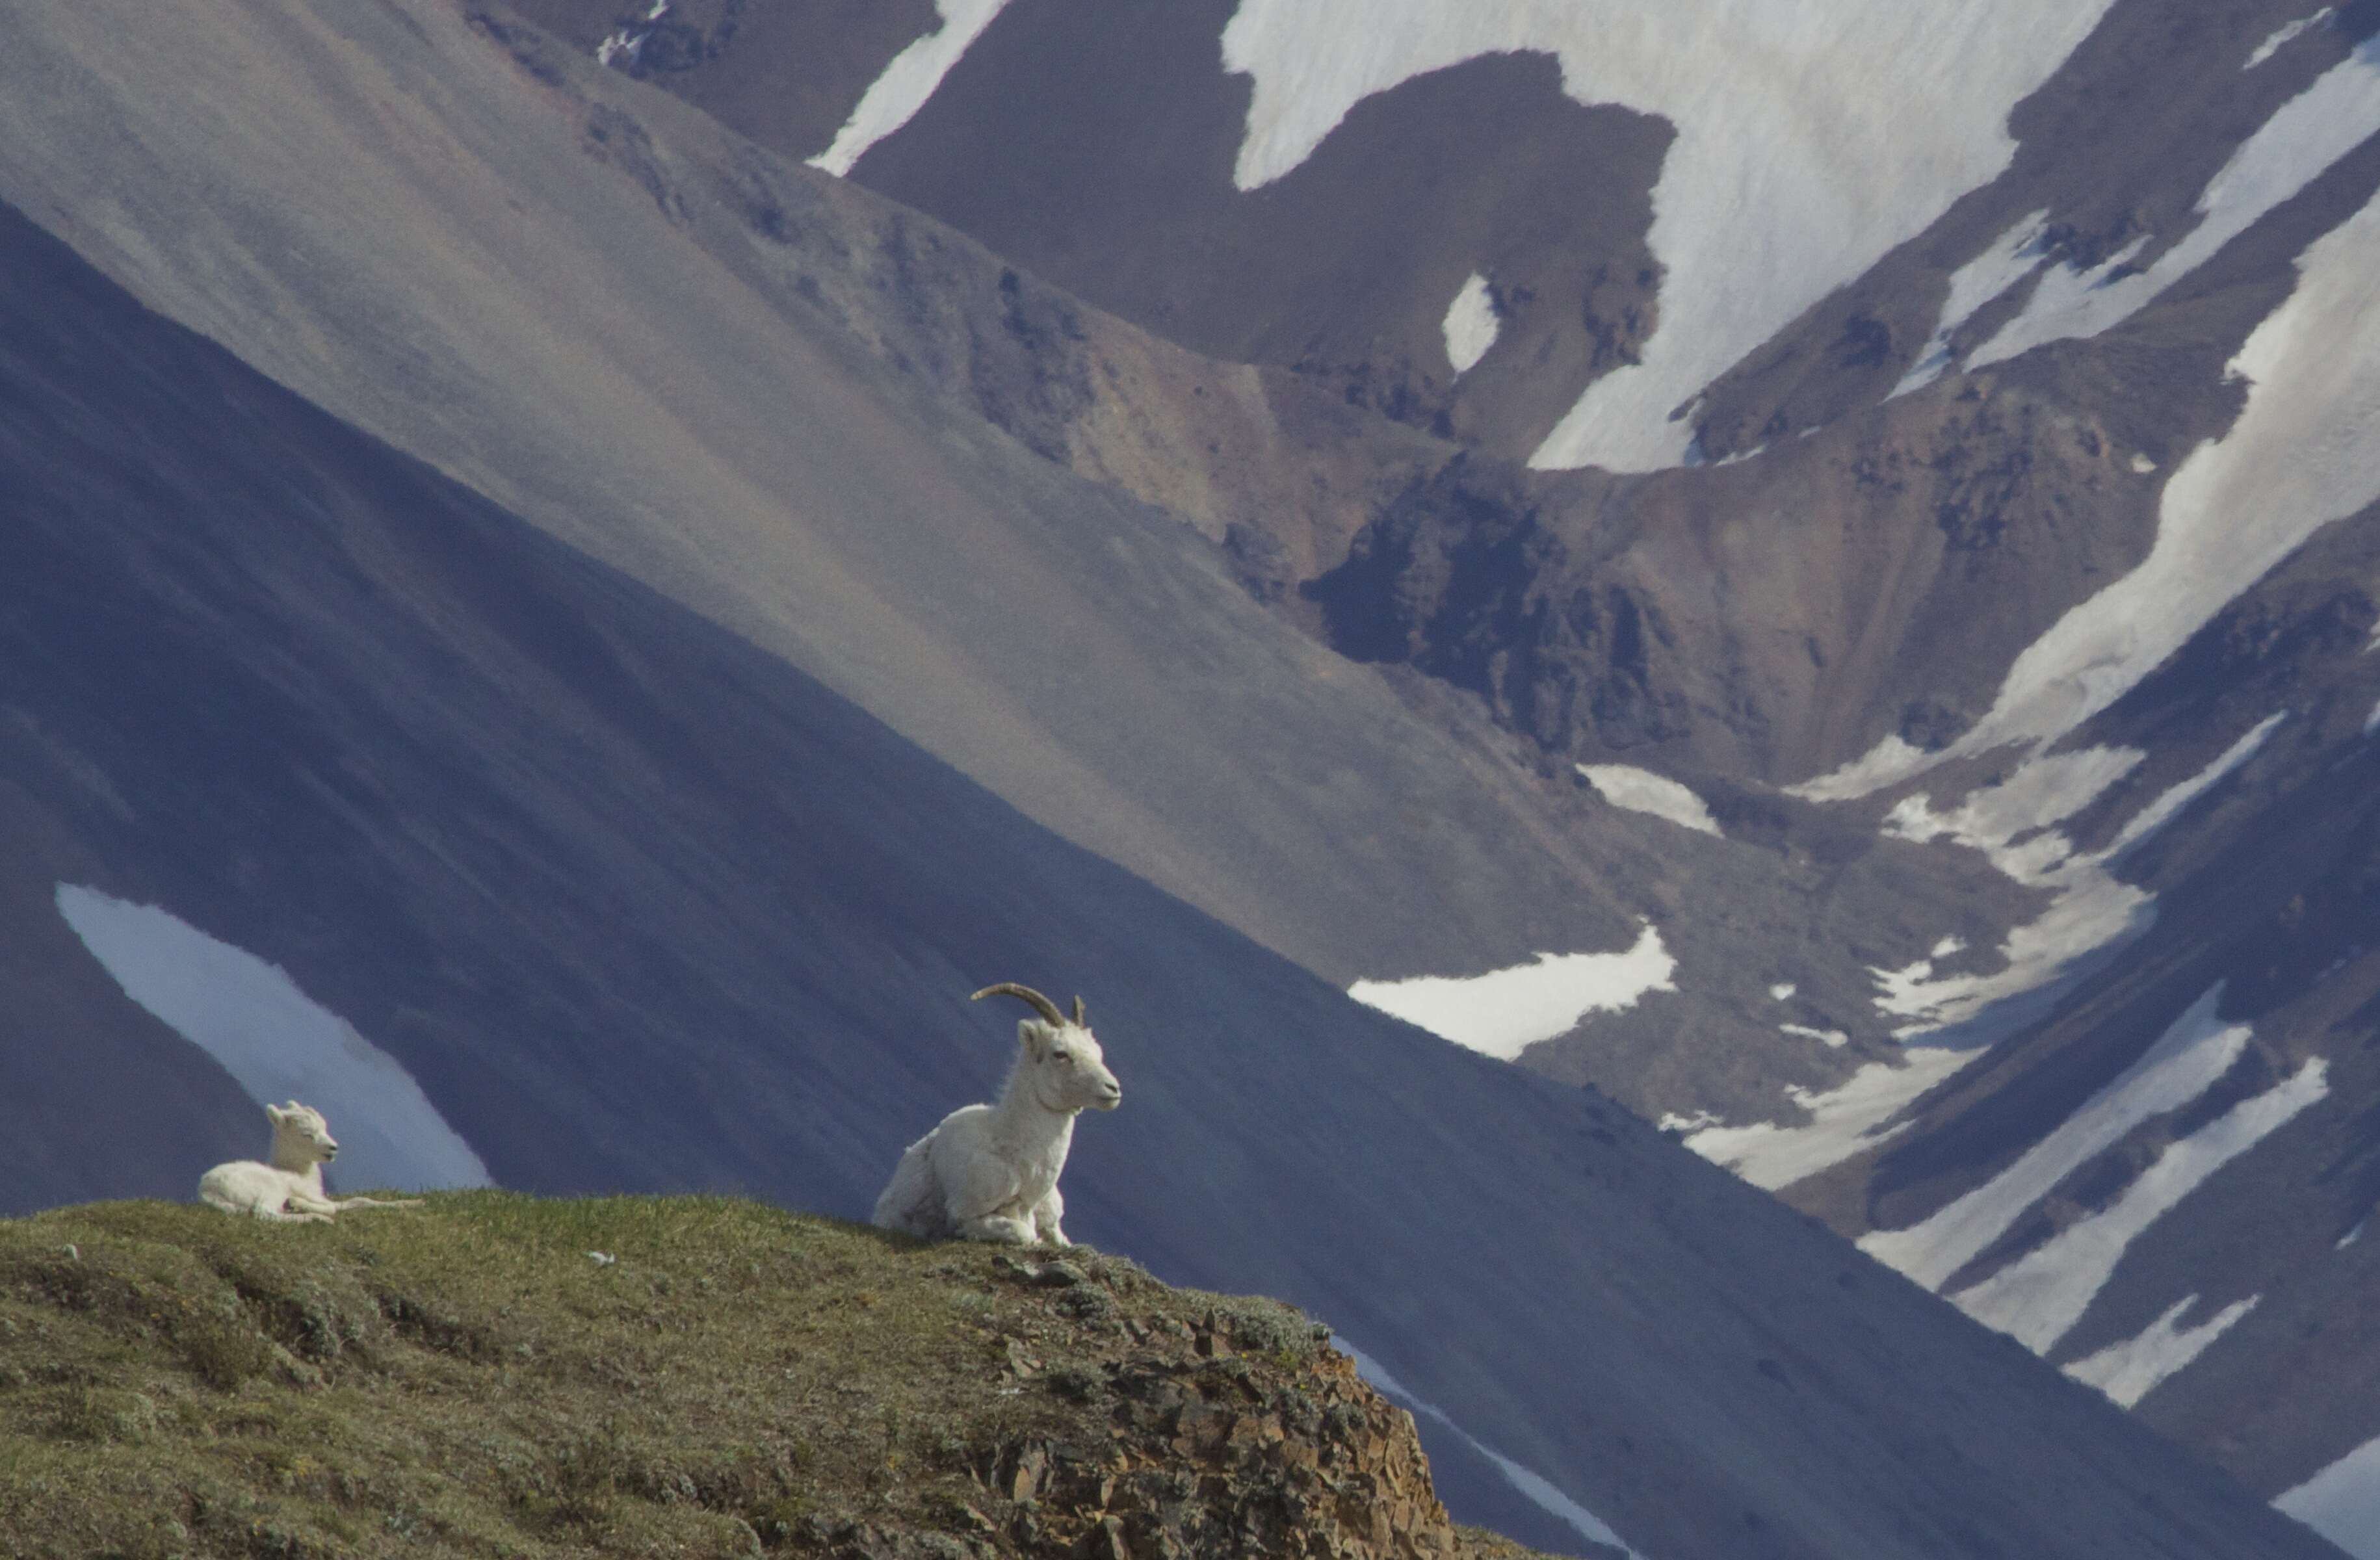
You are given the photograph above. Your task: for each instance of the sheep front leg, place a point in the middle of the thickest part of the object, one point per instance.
(985, 1201)
(998, 1228)
(282, 1215)
(1046, 1215)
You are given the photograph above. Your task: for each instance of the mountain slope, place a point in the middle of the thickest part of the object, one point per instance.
(606, 341)
(637, 902)
(1983, 437)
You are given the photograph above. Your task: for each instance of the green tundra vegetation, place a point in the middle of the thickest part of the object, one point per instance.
(503, 1376)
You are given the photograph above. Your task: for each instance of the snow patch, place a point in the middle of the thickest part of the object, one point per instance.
(2304, 452)
(1505, 1011)
(1845, 1121)
(2195, 1051)
(276, 1042)
(2350, 1237)
(2141, 466)
(1833, 1037)
(2039, 791)
(1888, 762)
(2159, 813)
(895, 97)
(628, 41)
(2125, 1371)
(2039, 1297)
(1471, 323)
(1811, 138)
(2092, 913)
(1641, 791)
(2013, 256)
(2287, 32)
(2342, 1502)
(1540, 1491)
(1783, 990)
(2305, 136)
(2372, 722)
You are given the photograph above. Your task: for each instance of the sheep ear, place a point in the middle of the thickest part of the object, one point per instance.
(1033, 1037)
(276, 1114)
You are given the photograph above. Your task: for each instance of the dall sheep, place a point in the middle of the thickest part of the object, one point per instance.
(289, 1189)
(989, 1172)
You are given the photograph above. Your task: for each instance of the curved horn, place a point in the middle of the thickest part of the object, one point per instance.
(1041, 1004)
(1080, 1021)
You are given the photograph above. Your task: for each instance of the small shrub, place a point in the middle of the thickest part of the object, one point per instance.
(96, 1413)
(222, 1351)
(1258, 1326)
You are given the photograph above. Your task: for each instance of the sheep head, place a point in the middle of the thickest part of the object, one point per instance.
(300, 1136)
(1068, 1071)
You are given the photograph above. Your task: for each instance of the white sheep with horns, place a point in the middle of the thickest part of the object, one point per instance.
(289, 1189)
(989, 1172)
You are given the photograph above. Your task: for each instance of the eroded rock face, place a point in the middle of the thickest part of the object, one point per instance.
(1237, 1433)
(1211, 1454)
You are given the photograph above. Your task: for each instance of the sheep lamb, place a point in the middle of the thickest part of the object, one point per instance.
(989, 1172)
(289, 1189)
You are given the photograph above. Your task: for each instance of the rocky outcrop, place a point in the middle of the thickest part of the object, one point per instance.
(1213, 1447)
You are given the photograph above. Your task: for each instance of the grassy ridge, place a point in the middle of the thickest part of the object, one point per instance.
(466, 1378)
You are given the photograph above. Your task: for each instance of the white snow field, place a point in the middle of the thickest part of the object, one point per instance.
(1471, 323)
(1832, 1037)
(2194, 1052)
(276, 1042)
(907, 82)
(2306, 135)
(1813, 136)
(2013, 256)
(1843, 1121)
(2342, 1502)
(1641, 791)
(2039, 1297)
(1540, 1491)
(2304, 452)
(2128, 1371)
(1505, 1011)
